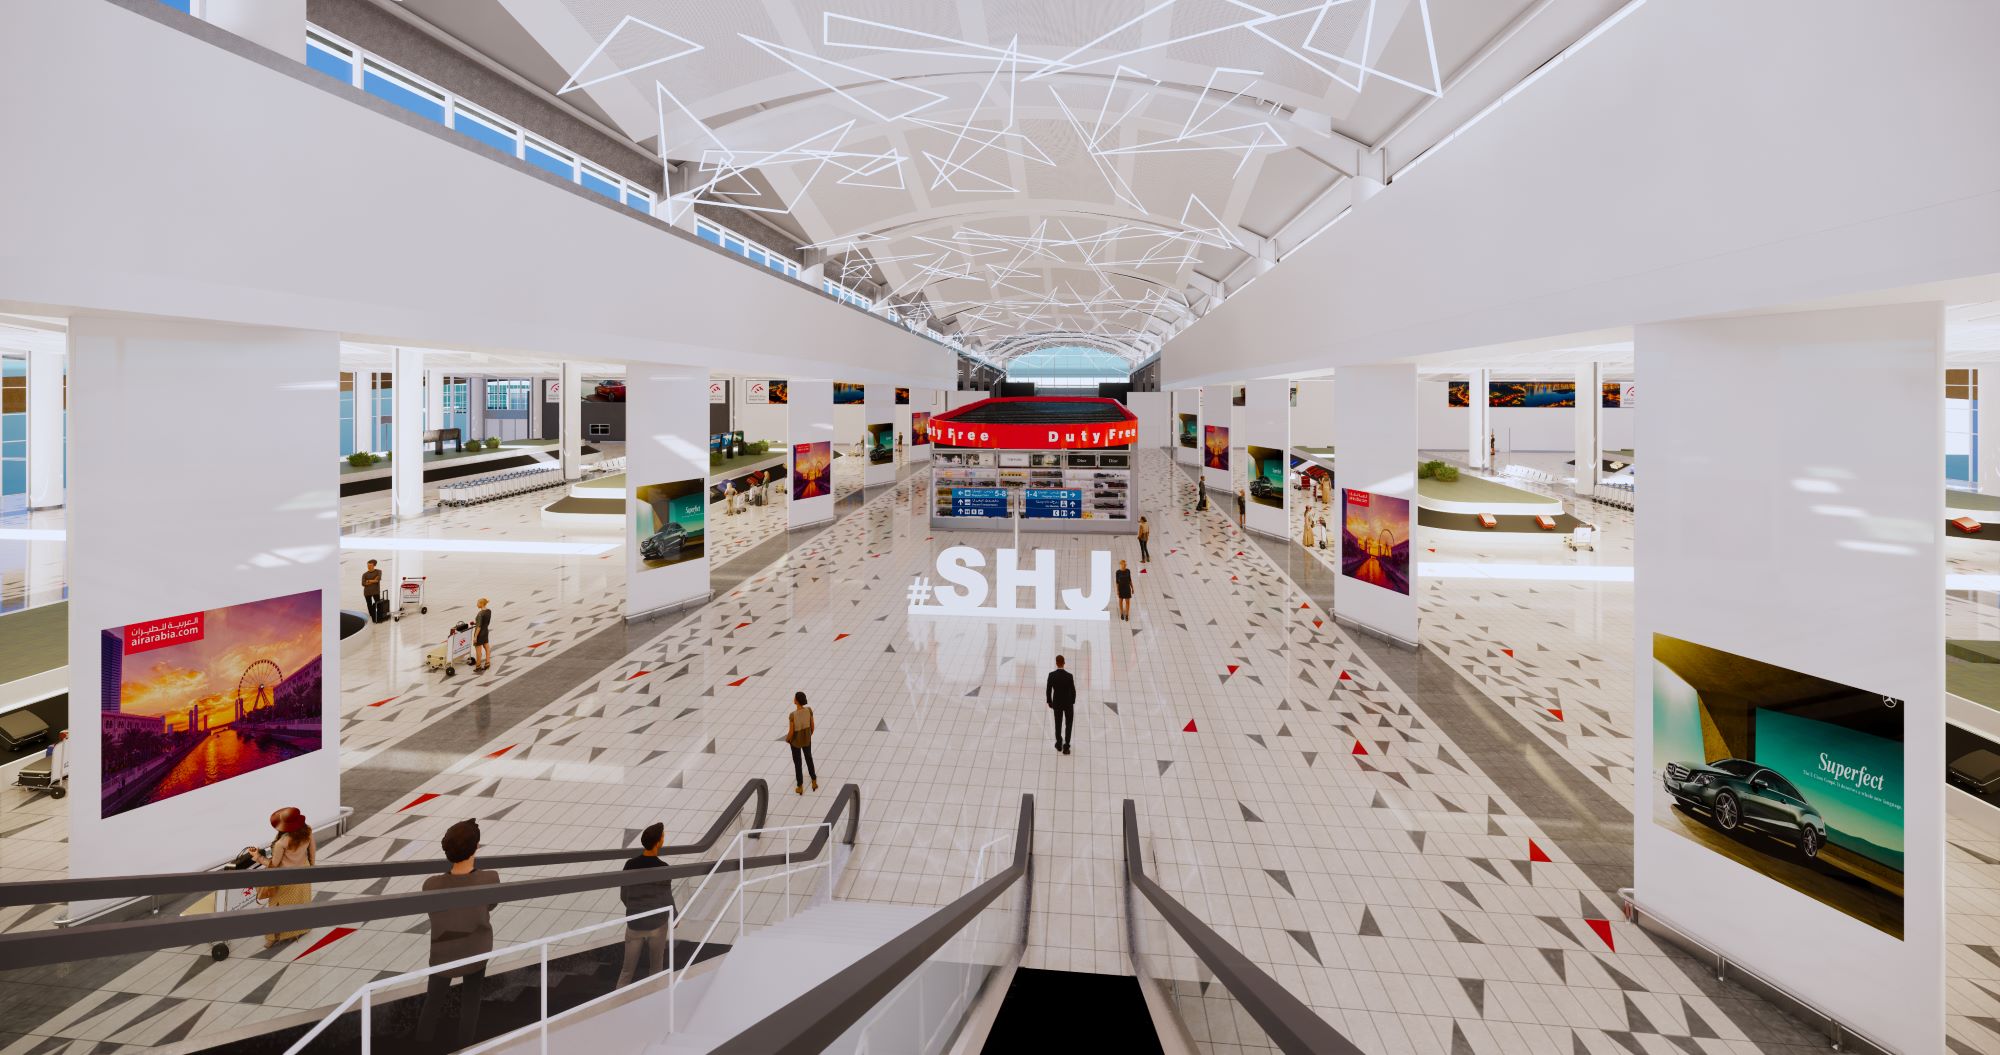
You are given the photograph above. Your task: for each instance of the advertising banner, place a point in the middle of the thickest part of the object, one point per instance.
(920, 428)
(757, 393)
(1215, 447)
(718, 391)
(195, 700)
(778, 391)
(1458, 394)
(812, 470)
(668, 522)
(849, 392)
(1375, 540)
(1531, 394)
(902, 397)
(1185, 431)
(1267, 476)
(1795, 777)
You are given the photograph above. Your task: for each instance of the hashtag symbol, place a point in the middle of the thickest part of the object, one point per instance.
(920, 591)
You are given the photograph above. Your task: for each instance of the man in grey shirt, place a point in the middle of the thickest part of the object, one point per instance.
(457, 933)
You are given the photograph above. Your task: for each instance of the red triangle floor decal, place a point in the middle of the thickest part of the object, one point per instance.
(1189, 727)
(837, 637)
(1359, 749)
(329, 938)
(502, 751)
(738, 683)
(1603, 929)
(1535, 853)
(641, 674)
(1509, 651)
(379, 703)
(1345, 676)
(419, 800)
(1233, 668)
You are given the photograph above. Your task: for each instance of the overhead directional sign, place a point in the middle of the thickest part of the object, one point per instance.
(1053, 504)
(979, 502)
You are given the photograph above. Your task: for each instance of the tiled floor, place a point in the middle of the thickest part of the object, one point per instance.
(1297, 788)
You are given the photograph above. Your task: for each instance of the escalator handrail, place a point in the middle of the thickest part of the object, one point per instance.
(820, 1016)
(1286, 1019)
(41, 947)
(107, 888)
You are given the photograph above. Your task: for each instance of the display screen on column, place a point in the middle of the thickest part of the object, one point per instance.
(1049, 504)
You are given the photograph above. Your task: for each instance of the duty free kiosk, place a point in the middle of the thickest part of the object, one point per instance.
(1036, 463)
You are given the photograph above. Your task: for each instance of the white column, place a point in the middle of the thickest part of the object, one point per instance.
(1479, 424)
(434, 400)
(878, 420)
(45, 428)
(666, 484)
(810, 413)
(571, 402)
(1212, 443)
(1589, 444)
(1786, 613)
(1375, 437)
(269, 549)
(1988, 438)
(1267, 441)
(1312, 419)
(406, 433)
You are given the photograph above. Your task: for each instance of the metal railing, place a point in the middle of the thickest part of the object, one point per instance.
(41, 948)
(1288, 1024)
(823, 1014)
(734, 858)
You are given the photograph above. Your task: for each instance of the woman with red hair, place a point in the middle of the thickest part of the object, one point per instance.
(291, 847)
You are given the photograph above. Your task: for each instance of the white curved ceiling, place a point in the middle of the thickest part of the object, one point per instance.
(1016, 167)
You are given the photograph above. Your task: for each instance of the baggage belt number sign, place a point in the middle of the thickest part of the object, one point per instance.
(979, 502)
(1048, 504)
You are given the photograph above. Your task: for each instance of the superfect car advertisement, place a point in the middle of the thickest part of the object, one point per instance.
(1794, 776)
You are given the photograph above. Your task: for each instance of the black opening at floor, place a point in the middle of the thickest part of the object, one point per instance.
(1071, 1011)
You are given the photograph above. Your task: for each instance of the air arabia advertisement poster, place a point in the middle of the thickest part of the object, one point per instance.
(812, 470)
(1375, 542)
(198, 699)
(1795, 777)
(1215, 447)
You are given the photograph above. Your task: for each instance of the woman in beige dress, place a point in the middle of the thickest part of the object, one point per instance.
(292, 847)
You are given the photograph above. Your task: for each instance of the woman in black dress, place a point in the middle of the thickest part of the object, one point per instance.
(1124, 578)
(482, 623)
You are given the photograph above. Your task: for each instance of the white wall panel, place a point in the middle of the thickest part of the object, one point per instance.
(811, 412)
(1152, 410)
(150, 537)
(275, 198)
(1626, 185)
(666, 443)
(1375, 430)
(1812, 541)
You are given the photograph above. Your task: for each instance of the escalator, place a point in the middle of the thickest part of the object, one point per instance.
(1071, 1010)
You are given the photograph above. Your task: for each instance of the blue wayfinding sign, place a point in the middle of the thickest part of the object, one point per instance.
(979, 502)
(1047, 504)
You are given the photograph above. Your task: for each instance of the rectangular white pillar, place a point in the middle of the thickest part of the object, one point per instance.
(1375, 435)
(666, 484)
(878, 435)
(569, 394)
(1267, 441)
(1479, 439)
(809, 483)
(924, 402)
(434, 401)
(1589, 413)
(1987, 439)
(45, 428)
(1187, 426)
(1787, 614)
(1312, 417)
(406, 433)
(1217, 410)
(231, 565)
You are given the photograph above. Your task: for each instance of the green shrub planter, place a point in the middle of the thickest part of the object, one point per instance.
(492, 443)
(361, 459)
(1447, 474)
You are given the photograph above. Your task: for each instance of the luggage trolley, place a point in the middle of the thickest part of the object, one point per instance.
(410, 594)
(230, 899)
(455, 649)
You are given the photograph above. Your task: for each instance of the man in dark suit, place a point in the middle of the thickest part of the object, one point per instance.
(1061, 692)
